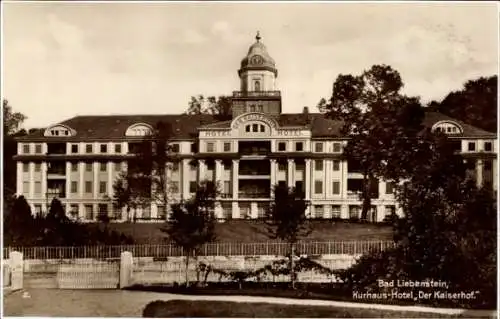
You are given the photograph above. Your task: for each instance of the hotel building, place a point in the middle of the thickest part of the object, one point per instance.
(78, 160)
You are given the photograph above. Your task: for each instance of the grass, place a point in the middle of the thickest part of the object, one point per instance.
(218, 309)
(255, 231)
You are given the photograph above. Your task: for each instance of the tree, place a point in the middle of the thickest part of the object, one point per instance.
(475, 103)
(146, 178)
(448, 232)
(220, 106)
(11, 124)
(286, 220)
(381, 123)
(19, 227)
(192, 222)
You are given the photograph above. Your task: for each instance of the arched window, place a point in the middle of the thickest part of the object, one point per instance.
(247, 128)
(257, 85)
(262, 128)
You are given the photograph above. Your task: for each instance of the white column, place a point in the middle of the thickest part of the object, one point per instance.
(109, 169)
(273, 173)
(202, 170)
(327, 173)
(185, 178)
(95, 186)
(19, 178)
(253, 210)
(343, 179)
(81, 180)
(479, 172)
(307, 179)
(31, 180)
(68, 179)
(236, 210)
(235, 173)
(494, 172)
(291, 168)
(44, 179)
(218, 174)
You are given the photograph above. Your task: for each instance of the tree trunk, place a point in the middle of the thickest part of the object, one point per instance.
(292, 266)
(366, 197)
(187, 268)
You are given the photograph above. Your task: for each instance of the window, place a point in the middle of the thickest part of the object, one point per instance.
(255, 127)
(318, 187)
(282, 146)
(193, 186)
(175, 148)
(118, 166)
(390, 210)
(488, 165)
(89, 212)
(336, 165)
(262, 128)
(26, 187)
(247, 128)
(227, 147)
(102, 166)
(318, 147)
(74, 148)
(281, 166)
(74, 187)
(26, 148)
(38, 209)
(88, 148)
(118, 148)
(103, 210)
(161, 213)
(487, 146)
(472, 146)
(299, 186)
(299, 146)
(448, 129)
(74, 210)
(38, 167)
(336, 187)
(210, 147)
(88, 167)
(194, 148)
(354, 212)
(38, 187)
(104, 148)
(88, 187)
(175, 166)
(227, 210)
(74, 167)
(336, 211)
(38, 148)
(337, 147)
(281, 183)
(226, 166)
(318, 165)
(257, 85)
(245, 210)
(193, 166)
(102, 187)
(252, 108)
(318, 211)
(26, 167)
(174, 187)
(261, 210)
(261, 108)
(227, 188)
(389, 188)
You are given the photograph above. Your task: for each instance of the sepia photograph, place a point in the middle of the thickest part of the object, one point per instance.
(249, 159)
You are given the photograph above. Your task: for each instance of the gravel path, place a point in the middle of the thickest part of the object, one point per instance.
(122, 303)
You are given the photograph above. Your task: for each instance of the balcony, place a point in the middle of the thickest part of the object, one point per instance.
(256, 93)
(56, 171)
(56, 148)
(254, 148)
(255, 169)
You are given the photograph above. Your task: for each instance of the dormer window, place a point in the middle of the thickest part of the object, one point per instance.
(247, 128)
(59, 130)
(252, 108)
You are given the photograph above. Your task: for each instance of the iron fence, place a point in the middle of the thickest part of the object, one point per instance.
(212, 249)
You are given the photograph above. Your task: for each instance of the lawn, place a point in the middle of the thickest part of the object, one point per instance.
(218, 309)
(255, 231)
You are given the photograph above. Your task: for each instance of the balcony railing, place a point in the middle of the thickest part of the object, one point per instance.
(254, 195)
(256, 93)
(254, 172)
(56, 171)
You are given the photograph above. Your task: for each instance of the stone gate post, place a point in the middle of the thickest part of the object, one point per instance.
(16, 264)
(126, 263)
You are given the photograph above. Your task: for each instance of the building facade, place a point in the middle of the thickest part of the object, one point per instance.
(79, 159)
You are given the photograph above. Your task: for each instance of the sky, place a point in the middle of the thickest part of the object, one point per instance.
(61, 59)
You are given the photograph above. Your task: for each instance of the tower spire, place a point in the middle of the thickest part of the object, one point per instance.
(257, 37)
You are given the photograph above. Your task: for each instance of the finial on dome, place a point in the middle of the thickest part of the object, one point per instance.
(257, 37)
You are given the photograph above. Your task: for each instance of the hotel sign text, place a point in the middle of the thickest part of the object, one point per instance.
(296, 132)
(253, 117)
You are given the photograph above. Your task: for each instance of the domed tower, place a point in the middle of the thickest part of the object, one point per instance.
(258, 75)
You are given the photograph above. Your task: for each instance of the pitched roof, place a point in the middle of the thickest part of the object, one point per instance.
(186, 126)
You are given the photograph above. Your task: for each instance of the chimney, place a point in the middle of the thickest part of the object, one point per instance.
(305, 110)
